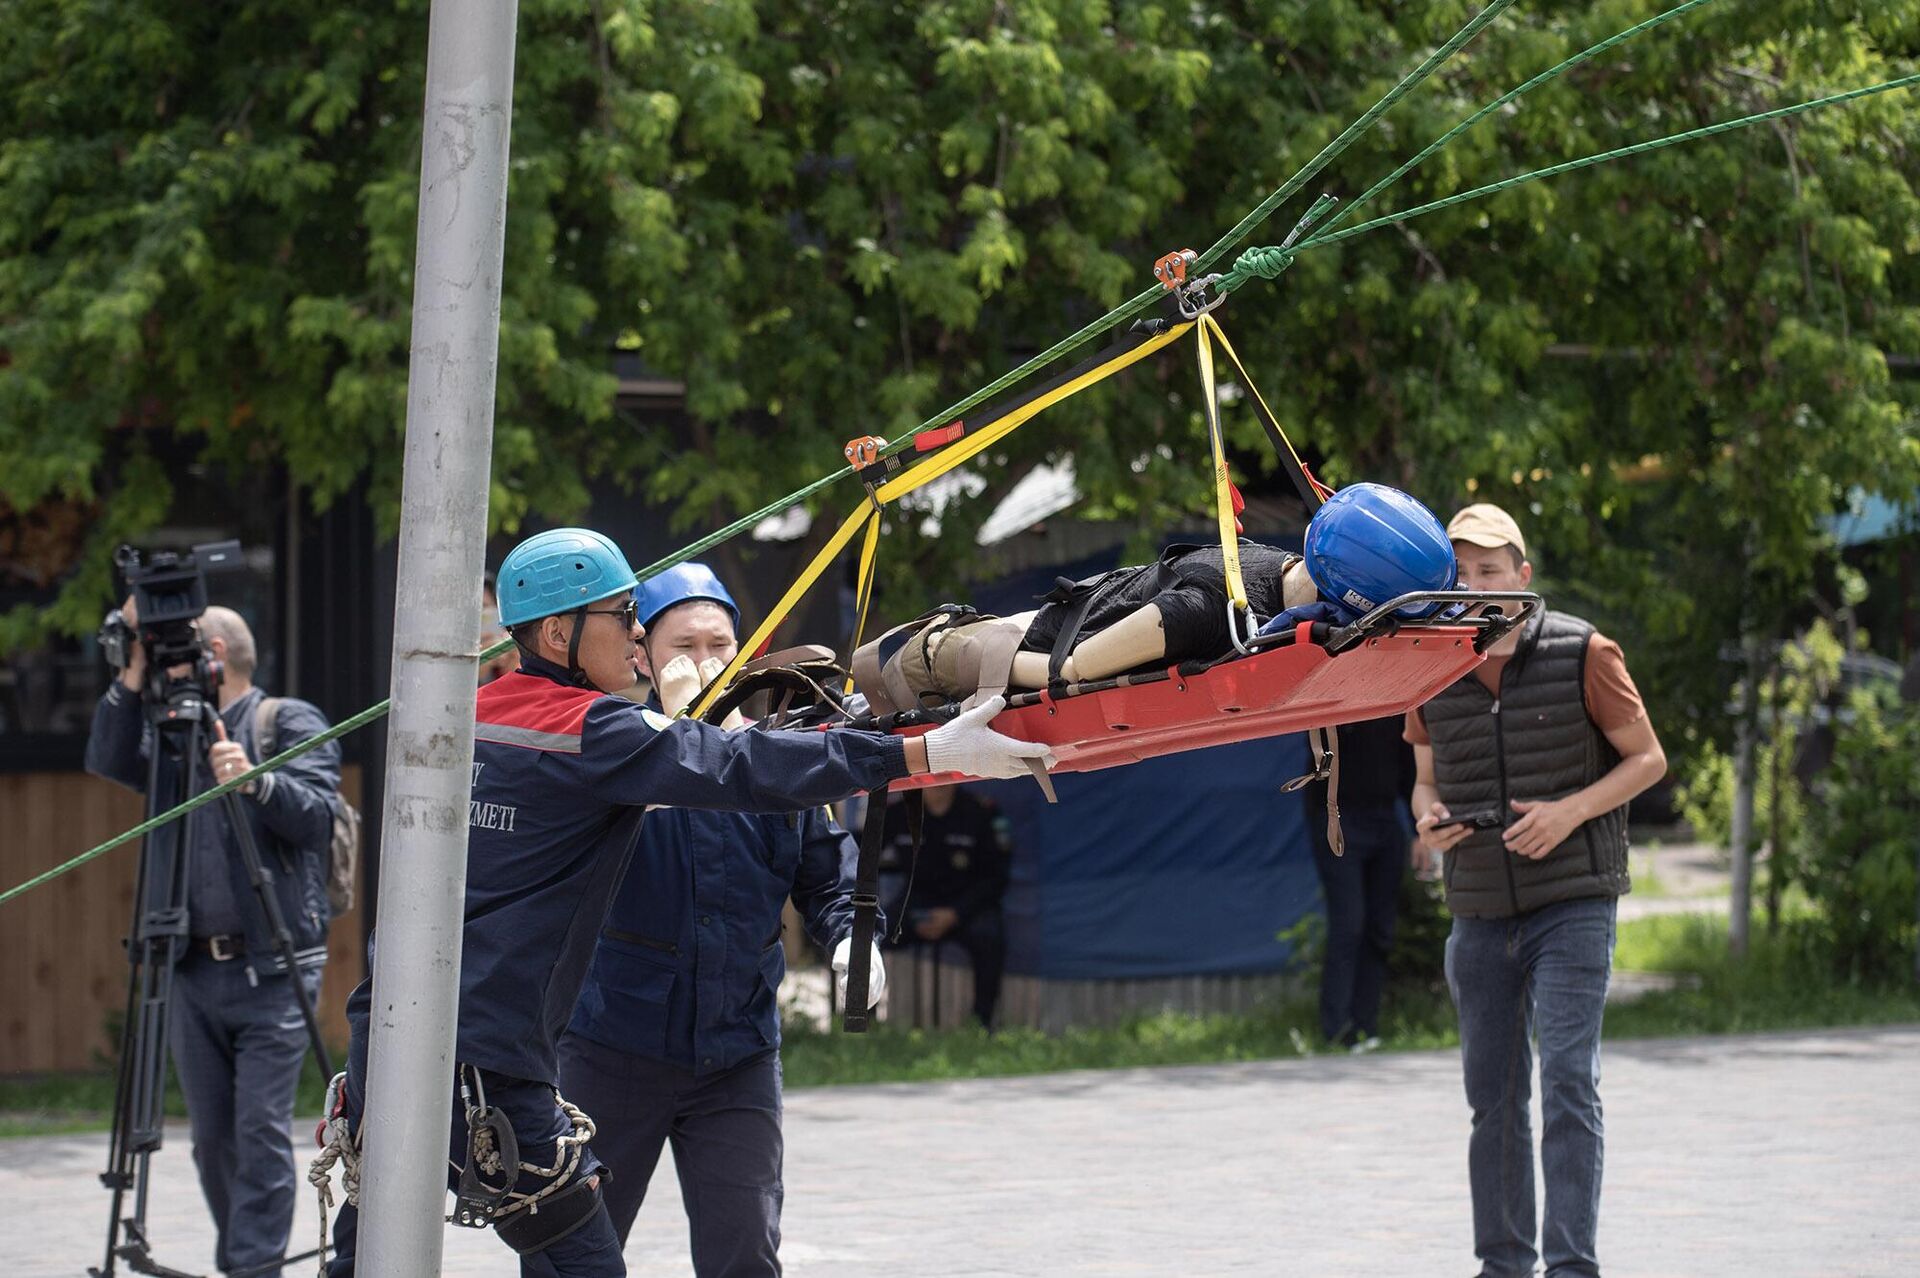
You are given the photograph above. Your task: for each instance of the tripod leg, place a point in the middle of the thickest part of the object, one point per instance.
(262, 879)
(155, 935)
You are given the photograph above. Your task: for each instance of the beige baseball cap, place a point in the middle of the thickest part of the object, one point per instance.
(1486, 525)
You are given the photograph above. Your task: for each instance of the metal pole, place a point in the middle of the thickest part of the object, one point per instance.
(436, 633)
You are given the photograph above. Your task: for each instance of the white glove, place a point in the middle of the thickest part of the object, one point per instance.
(968, 746)
(876, 980)
(678, 683)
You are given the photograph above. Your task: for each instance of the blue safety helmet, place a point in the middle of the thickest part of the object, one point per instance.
(560, 571)
(682, 583)
(1370, 543)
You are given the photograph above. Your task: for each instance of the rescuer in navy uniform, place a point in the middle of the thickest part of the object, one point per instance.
(677, 1034)
(563, 772)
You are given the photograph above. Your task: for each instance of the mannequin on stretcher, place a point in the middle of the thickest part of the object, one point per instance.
(1366, 545)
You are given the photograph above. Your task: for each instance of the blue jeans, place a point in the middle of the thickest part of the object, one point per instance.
(1540, 974)
(727, 1147)
(1362, 894)
(238, 1048)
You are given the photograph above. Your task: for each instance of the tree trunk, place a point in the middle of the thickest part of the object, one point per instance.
(1741, 907)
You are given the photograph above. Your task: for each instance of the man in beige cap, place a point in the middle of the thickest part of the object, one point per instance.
(1524, 770)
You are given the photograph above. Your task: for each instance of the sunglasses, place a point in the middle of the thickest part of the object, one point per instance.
(628, 615)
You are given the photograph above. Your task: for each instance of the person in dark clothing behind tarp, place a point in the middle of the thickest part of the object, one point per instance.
(956, 884)
(1362, 888)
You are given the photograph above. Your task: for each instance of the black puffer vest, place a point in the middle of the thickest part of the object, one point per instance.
(1533, 741)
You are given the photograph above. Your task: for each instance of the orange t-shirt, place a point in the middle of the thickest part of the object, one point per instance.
(1612, 700)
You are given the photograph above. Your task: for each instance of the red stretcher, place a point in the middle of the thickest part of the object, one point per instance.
(1314, 676)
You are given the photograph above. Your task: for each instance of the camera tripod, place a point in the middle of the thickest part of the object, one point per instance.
(180, 712)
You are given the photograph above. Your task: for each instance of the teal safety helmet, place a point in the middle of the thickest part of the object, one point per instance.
(560, 571)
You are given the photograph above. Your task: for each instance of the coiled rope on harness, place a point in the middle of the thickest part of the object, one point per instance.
(340, 1143)
(1260, 263)
(340, 1146)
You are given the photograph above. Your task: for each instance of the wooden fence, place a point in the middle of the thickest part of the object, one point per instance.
(62, 961)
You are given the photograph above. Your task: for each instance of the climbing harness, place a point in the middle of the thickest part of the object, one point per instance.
(485, 1193)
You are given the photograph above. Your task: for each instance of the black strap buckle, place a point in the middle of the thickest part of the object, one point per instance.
(865, 900)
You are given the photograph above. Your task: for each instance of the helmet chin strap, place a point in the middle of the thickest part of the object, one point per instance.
(574, 671)
(652, 676)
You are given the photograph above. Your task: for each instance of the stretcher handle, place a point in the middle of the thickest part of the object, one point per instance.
(1338, 639)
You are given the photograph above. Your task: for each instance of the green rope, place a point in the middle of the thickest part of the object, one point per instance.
(1506, 99)
(1145, 299)
(1244, 227)
(1619, 153)
(202, 800)
(1265, 263)
(1268, 263)
(261, 768)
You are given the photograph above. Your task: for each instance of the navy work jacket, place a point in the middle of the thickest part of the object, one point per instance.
(290, 814)
(561, 778)
(690, 961)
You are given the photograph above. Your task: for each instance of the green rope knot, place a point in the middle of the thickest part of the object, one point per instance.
(1267, 263)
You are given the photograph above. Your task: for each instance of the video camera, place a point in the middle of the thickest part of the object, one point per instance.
(169, 594)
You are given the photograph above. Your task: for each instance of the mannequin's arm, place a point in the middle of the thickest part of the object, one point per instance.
(1135, 640)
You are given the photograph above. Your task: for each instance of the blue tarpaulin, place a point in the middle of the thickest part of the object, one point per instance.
(1187, 864)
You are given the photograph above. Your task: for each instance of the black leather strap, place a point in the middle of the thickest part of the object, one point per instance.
(866, 900)
(1079, 600)
(866, 909)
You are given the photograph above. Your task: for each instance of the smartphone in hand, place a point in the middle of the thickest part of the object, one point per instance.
(1484, 819)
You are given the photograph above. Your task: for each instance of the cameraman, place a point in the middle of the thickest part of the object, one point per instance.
(235, 1027)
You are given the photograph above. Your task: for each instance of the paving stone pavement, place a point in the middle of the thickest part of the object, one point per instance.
(1769, 1156)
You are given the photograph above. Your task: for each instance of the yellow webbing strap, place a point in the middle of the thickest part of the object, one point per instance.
(905, 482)
(1277, 437)
(828, 553)
(972, 443)
(863, 597)
(1222, 485)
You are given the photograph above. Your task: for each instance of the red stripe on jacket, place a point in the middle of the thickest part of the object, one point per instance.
(520, 700)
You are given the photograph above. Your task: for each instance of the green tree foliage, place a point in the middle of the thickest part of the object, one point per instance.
(1837, 792)
(1859, 859)
(831, 218)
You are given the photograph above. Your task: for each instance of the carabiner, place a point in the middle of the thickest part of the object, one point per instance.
(1185, 297)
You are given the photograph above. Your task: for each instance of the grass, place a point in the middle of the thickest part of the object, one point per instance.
(60, 1104)
(1777, 987)
(886, 1055)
